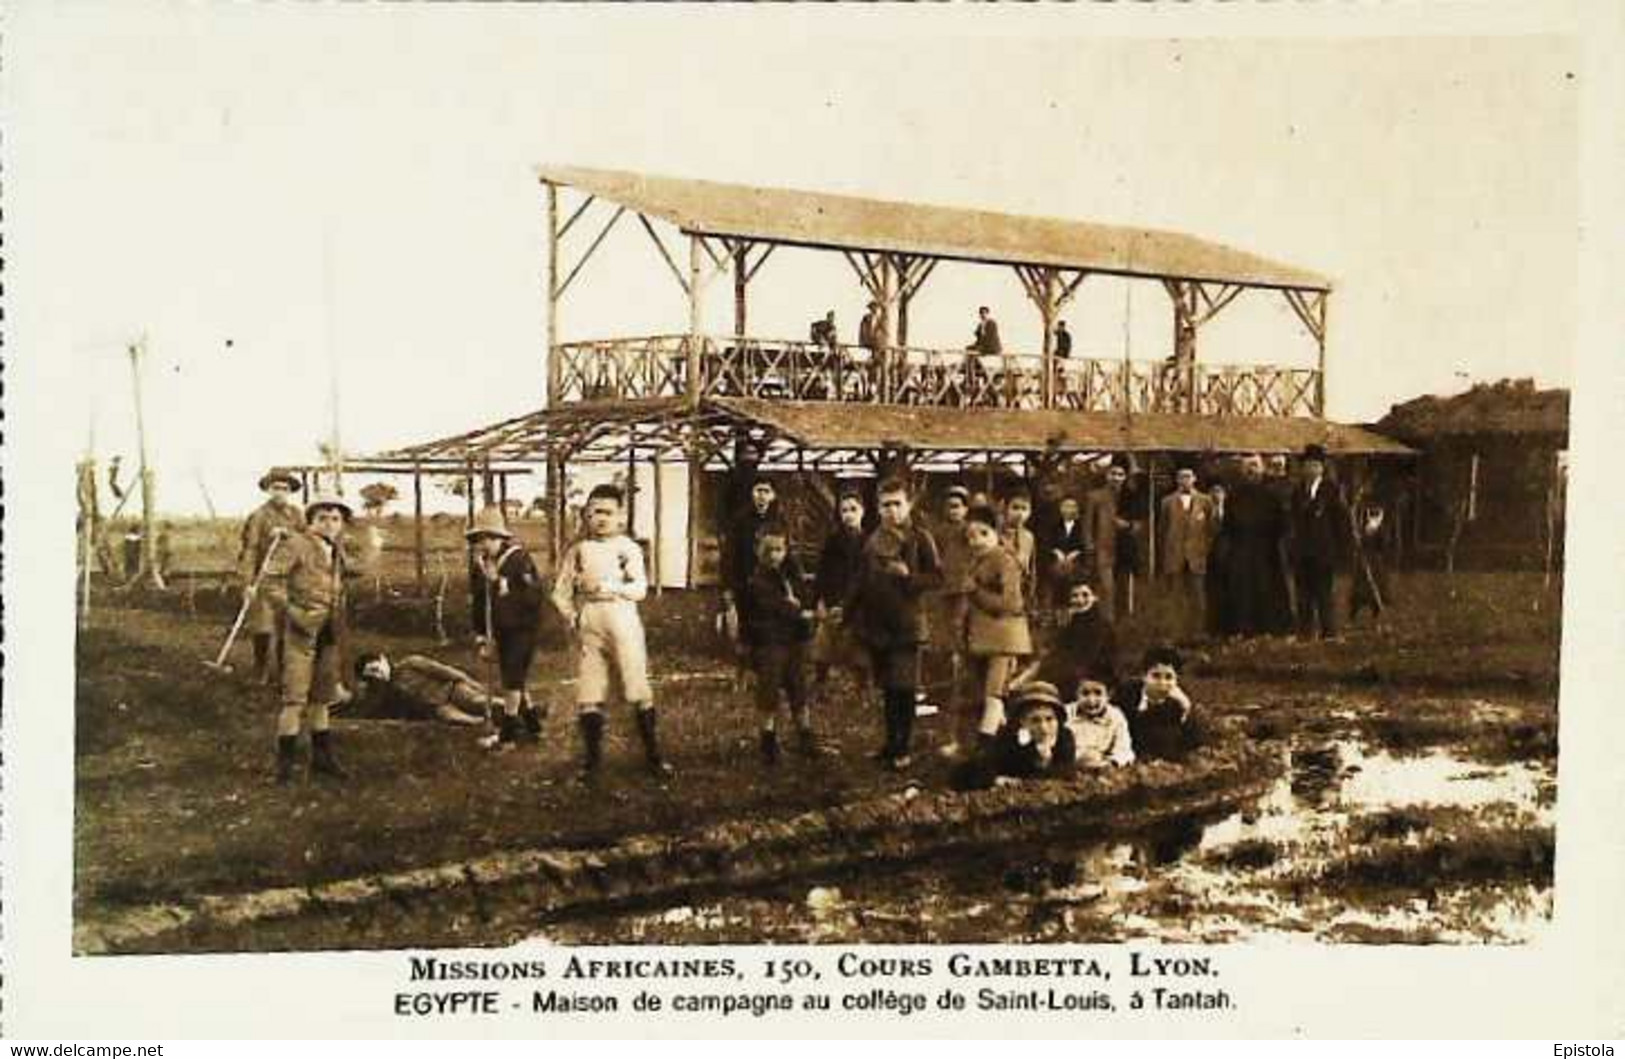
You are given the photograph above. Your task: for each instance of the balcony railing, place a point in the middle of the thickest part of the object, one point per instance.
(658, 366)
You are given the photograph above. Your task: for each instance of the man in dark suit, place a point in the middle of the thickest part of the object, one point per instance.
(1321, 538)
(987, 342)
(1064, 540)
(1187, 525)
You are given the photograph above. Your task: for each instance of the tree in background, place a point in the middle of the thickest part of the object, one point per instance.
(376, 496)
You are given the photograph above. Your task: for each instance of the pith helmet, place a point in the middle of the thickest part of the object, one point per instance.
(332, 500)
(488, 523)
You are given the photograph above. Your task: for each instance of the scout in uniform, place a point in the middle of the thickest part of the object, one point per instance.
(311, 669)
(600, 582)
(505, 612)
(277, 518)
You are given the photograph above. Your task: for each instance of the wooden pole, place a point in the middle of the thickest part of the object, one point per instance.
(468, 492)
(554, 482)
(149, 500)
(1320, 339)
(418, 556)
(1047, 311)
(696, 321)
(659, 526)
(741, 278)
(696, 468)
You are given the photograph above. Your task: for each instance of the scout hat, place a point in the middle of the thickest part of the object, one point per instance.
(488, 523)
(960, 491)
(332, 500)
(278, 474)
(1036, 695)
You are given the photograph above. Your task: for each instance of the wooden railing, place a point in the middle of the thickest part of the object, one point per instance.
(658, 366)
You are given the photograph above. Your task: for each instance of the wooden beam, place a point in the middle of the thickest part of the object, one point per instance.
(602, 235)
(696, 322)
(576, 216)
(418, 551)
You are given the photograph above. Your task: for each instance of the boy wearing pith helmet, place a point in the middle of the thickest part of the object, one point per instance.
(311, 669)
(274, 521)
(599, 584)
(505, 610)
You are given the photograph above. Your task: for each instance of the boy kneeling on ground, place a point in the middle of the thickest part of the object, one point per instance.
(418, 688)
(1161, 720)
(598, 587)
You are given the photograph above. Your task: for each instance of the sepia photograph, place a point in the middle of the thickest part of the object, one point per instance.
(1092, 540)
(546, 476)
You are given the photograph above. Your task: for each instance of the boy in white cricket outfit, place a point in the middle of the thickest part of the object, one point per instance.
(599, 585)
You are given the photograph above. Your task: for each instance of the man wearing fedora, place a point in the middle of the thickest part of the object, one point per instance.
(276, 519)
(1322, 536)
(311, 666)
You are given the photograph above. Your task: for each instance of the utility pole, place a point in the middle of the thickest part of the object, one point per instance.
(149, 537)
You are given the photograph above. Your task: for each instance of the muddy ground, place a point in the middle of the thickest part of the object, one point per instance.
(173, 797)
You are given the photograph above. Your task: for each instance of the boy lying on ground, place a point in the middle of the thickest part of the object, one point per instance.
(1099, 730)
(1161, 719)
(418, 689)
(1035, 744)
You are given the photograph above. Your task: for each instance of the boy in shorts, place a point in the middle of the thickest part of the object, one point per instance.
(505, 601)
(600, 582)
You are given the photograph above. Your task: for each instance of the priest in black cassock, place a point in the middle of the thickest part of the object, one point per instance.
(1253, 533)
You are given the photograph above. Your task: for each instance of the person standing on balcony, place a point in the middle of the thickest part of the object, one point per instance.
(871, 337)
(985, 344)
(822, 332)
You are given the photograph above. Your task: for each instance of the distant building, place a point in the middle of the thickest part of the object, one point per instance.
(1492, 474)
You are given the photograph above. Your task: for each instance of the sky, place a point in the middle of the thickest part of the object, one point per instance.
(293, 201)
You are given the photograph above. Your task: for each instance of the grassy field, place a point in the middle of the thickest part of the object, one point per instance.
(174, 760)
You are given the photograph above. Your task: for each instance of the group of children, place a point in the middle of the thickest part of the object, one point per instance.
(882, 601)
(880, 598)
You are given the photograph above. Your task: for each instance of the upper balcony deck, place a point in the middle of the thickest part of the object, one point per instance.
(659, 366)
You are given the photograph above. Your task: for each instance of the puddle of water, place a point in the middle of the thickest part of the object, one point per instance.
(1209, 880)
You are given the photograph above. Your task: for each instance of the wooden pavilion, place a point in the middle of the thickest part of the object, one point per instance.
(692, 401)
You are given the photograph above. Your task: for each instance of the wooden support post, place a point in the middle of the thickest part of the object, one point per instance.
(890, 356)
(1048, 309)
(741, 278)
(553, 485)
(696, 320)
(659, 526)
(418, 554)
(557, 508)
(468, 492)
(696, 469)
(148, 570)
(1320, 379)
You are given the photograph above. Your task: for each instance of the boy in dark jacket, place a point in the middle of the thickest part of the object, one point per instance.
(900, 564)
(1034, 744)
(778, 630)
(838, 565)
(1161, 720)
(505, 597)
(1085, 648)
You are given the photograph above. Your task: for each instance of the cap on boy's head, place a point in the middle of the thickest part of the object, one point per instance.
(612, 493)
(1163, 655)
(327, 502)
(1314, 452)
(983, 514)
(958, 492)
(1036, 695)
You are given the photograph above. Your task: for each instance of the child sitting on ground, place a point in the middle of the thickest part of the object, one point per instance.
(600, 582)
(997, 635)
(1162, 722)
(1036, 744)
(417, 688)
(779, 626)
(1099, 730)
(1085, 647)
